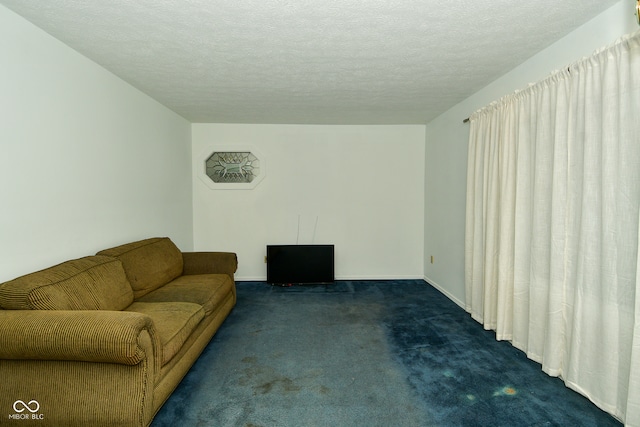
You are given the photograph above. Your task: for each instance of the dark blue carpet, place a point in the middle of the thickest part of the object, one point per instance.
(365, 353)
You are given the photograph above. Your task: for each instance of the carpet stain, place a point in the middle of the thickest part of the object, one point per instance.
(281, 385)
(506, 391)
(265, 379)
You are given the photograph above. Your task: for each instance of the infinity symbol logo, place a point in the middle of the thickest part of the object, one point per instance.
(26, 406)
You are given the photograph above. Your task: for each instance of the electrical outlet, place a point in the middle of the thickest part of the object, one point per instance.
(431, 259)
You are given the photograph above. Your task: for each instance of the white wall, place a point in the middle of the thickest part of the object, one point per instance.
(86, 161)
(364, 184)
(447, 139)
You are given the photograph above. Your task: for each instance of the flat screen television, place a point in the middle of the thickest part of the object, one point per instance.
(300, 264)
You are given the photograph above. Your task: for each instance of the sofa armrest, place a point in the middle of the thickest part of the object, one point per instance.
(210, 263)
(90, 336)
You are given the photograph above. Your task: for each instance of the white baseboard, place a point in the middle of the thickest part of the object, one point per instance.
(379, 278)
(264, 278)
(250, 279)
(444, 292)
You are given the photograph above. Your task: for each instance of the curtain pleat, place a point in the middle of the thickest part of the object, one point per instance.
(552, 225)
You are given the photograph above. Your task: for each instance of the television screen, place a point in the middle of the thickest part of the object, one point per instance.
(289, 264)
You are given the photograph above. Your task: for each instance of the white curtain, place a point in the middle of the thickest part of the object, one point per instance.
(552, 226)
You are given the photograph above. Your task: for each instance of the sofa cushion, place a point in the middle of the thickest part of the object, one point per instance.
(173, 321)
(89, 283)
(148, 263)
(207, 290)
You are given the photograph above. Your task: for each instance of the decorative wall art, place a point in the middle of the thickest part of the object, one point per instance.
(233, 169)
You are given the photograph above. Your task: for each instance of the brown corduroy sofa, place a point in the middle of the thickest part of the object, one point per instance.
(104, 340)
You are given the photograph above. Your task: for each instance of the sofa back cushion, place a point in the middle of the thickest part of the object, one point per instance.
(89, 283)
(148, 263)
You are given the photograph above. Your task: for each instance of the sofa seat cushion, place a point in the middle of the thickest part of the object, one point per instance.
(173, 321)
(89, 283)
(149, 263)
(207, 290)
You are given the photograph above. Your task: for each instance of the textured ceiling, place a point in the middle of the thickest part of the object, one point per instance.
(309, 61)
